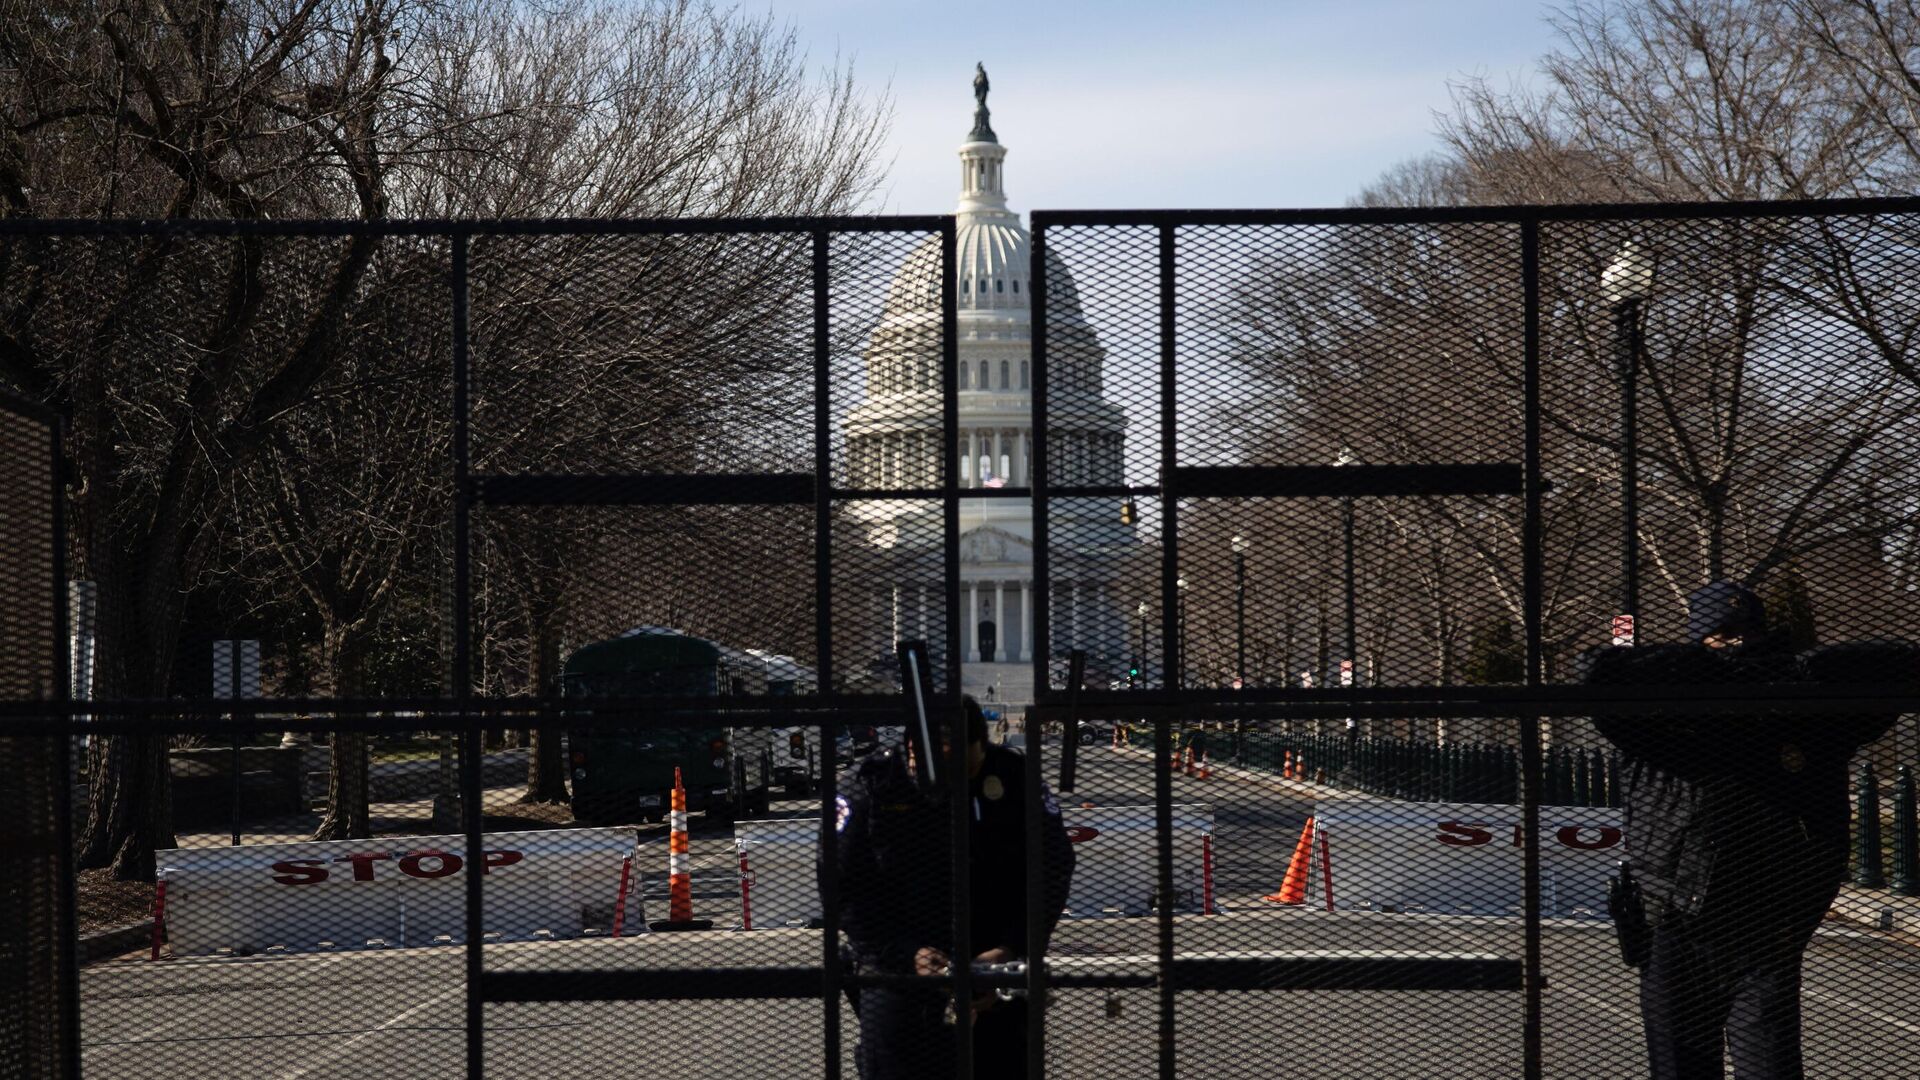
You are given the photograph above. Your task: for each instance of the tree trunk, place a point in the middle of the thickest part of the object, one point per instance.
(446, 801)
(349, 812)
(129, 788)
(129, 807)
(349, 809)
(546, 760)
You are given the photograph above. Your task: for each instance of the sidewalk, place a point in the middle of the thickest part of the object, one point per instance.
(1879, 909)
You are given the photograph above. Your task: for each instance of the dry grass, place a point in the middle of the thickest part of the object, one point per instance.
(101, 903)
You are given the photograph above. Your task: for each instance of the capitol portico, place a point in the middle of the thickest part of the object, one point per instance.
(893, 442)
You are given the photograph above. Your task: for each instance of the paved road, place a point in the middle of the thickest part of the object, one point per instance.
(400, 1012)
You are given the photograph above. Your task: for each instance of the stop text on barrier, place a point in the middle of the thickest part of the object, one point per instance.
(1474, 834)
(418, 864)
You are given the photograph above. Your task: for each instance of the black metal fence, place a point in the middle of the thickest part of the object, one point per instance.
(374, 536)
(1402, 486)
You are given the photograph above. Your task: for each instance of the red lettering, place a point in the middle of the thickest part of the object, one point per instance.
(1569, 836)
(491, 859)
(1460, 834)
(447, 864)
(299, 872)
(1080, 834)
(363, 864)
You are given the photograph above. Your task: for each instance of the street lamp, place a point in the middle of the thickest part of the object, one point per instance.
(1346, 526)
(1240, 545)
(1625, 285)
(1140, 664)
(1180, 587)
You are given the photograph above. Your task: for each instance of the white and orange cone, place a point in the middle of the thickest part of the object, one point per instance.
(679, 876)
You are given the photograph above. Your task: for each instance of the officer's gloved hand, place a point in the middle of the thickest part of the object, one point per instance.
(930, 961)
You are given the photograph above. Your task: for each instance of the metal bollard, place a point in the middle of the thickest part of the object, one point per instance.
(1906, 838)
(1867, 865)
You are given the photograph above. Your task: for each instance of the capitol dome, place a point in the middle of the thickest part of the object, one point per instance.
(894, 451)
(993, 262)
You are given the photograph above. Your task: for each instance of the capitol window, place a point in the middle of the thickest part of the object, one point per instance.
(999, 285)
(1023, 376)
(1005, 370)
(1016, 284)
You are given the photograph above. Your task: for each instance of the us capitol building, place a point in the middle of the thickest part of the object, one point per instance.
(893, 441)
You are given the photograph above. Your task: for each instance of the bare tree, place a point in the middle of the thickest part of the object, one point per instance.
(1777, 423)
(182, 360)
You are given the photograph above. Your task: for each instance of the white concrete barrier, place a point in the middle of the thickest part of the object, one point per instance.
(390, 891)
(779, 882)
(1115, 859)
(1114, 864)
(1462, 858)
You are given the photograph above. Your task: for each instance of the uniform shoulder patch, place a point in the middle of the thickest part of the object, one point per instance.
(842, 811)
(1047, 800)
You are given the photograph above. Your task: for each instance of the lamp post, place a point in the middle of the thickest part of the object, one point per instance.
(1346, 527)
(1240, 545)
(1625, 285)
(1180, 587)
(1141, 663)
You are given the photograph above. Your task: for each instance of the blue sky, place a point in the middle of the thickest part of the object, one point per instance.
(1170, 104)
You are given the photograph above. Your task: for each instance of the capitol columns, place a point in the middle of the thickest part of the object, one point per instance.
(1026, 620)
(999, 623)
(1020, 478)
(973, 622)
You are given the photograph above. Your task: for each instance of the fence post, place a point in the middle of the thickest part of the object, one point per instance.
(1616, 782)
(1867, 871)
(1906, 838)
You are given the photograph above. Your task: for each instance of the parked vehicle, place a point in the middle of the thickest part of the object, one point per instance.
(622, 775)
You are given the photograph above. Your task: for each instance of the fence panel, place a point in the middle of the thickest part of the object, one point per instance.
(38, 1033)
(410, 562)
(1346, 595)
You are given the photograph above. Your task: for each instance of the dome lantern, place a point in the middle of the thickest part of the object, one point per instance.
(982, 190)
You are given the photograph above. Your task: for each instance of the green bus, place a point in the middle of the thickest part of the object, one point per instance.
(623, 776)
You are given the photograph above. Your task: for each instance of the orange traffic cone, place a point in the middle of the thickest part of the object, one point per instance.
(1286, 767)
(679, 879)
(1206, 771)
(1293, 889)
(1116, 736)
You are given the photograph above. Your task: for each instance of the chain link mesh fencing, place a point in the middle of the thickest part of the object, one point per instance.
(504, 650)
(1393, 492)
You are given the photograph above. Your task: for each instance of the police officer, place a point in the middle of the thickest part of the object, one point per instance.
(894, 870)
(1736, 835)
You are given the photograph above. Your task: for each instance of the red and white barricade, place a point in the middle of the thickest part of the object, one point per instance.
(1465, 858)
(391, 891)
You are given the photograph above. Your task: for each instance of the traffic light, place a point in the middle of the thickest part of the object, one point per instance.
(1133, 672)
(1128, 514)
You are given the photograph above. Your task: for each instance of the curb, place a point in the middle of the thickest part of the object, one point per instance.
(115, 942)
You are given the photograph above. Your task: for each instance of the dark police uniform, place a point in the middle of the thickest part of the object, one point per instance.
(895, 871)
(997, 854)
(1736, 832)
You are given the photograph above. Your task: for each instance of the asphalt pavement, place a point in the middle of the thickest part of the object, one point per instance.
(400, 1012)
